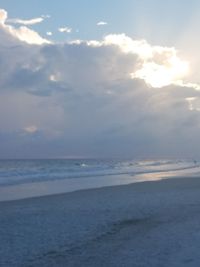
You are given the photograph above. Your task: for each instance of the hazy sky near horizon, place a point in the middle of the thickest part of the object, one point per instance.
(99, 78)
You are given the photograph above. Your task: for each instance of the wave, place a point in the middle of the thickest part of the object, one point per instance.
(13, 172)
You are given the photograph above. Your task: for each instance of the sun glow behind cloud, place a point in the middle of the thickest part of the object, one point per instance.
(160, 65)
(159, 75)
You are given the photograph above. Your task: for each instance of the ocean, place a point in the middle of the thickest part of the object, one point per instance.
(18, 172)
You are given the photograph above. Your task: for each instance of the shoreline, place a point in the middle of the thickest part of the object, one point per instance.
(137, 187)
(56, 187)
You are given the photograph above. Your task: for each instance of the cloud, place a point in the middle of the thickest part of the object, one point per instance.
(101, 23)
(22, 33)
(27, 35)
(160, 66)
(49, 33)
(26, 22)
(31, 129)
(3, 16)
(46, 16)
(81, 98)
(65, 29)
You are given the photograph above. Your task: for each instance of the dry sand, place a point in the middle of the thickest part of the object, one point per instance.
(143, 224)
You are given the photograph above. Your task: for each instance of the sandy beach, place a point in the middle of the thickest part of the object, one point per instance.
(143, 224)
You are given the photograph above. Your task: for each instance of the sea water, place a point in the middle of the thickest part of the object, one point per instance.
(17, 172)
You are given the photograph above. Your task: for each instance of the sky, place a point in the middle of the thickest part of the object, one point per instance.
(99, 79)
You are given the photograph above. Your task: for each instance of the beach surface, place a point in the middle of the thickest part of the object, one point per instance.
(155, 223)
